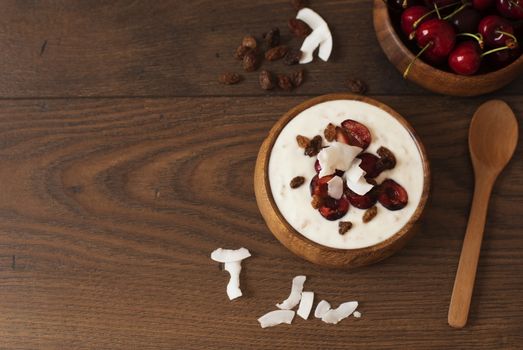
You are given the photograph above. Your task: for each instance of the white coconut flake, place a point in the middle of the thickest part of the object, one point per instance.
(355, 172)
(321, 36)
(295, 296)
(360, 187)
(356, 314)
(277, 317)
(338, 156)
(230, 255)
(343, 311)
(304, 310)
(335, 187)
(322, 308)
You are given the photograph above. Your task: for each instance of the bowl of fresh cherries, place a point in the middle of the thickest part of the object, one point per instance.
(453, 47)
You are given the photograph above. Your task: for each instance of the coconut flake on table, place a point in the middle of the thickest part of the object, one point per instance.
(343, 311)
(356, 314)
(295, 296)
(232, 264)
(335, 187)
(321, 36)
(275, 318)
(322, 308)
(304, 310)
(338, 156)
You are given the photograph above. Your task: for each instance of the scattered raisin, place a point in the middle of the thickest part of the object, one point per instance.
(357, 86)
(284, 82)
(266, 80)
(249, 41)
(330, 132)
(299, 28)
(344, 226)
(297, 181)
(303, 141)
(229, 78)
(276, 53)
(387, 159)
(240, 52)
(250, 61)
(370, 214)
(299, 4)
(316, 201)
(292, 57)
(314, 146)
(297, 77)
(272, 37)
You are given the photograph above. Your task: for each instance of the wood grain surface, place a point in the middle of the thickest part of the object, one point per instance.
(112, 197)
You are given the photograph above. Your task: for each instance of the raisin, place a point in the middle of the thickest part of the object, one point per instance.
(276, 53)
(316, 201)
(297, 181)
(297, 77)
(299, 28)
(387, 159)
(370, 214)
(266, 80)
(292, 57)
(344, 226)
(284, 82)
(357, 86)
(229, 78)
(250, 61)
(314, 146)
(249, 41)
(330, 132)
(299, 4)
(272, 37)
(240, 52)
(303, 141)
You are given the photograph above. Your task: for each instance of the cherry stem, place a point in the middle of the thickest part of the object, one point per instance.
(456, 11)
(418, 21)
(404, 4)
(514, 3)
(437, 10)
(512, 36)
(477, 36)
(407, 71)
(495, 50)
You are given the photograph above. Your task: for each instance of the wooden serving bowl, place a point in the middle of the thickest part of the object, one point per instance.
(299, 244)
(431, 78)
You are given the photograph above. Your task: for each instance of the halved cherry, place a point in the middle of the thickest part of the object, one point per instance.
(334, 209)
(358, 133)
(362, 202)
(369, 165)
(342, 135)
(318, 185)
(392, 195)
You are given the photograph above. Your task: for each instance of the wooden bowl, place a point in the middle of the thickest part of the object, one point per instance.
(431, 78)
(299, 244)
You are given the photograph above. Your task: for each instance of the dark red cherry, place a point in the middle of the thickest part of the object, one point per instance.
(510, 8)
(465, 59)
(482, 5)
(400, 5)
(368, 164)
(439, 36)
(466, 21)
(392, 195)
(334, 209)
(503, 58)
(318, 185)
(358, 133)
(410, 16)
(490, 28)
(362, 202)
(342, 135)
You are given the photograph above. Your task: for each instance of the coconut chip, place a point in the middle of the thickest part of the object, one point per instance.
(307, 298)
(322, 308)
(361, 187)
(277, 317)
(295, 296)
(335, 187)
(320, 36)
(338, 156)
(232, 264)
(230, 255)
(343, 311)
(356, 314)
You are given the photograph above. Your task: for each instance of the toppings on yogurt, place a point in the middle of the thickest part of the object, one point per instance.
(314, 146)
(330, 132)
(297, 181)
(392, 195)
(344, 227)
(370, 214)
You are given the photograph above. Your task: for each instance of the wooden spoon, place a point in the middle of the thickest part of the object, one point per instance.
(493, 135)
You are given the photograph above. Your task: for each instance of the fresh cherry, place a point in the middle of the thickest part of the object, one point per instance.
(436, 37)
(400, 4)
(496, 31)
(362, 202)
(465, 59)
(334, 209)
(466, 21)
(410, 16)
(358, 133)
(319, 187)
(503, 58)
(510, 8)
(368, 164)
(482, 5)
(392, 195)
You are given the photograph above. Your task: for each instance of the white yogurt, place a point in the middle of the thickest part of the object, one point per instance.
(288, 161)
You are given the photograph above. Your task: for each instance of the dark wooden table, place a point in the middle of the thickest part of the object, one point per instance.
(123, 164)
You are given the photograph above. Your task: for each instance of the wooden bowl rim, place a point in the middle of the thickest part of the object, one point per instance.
(293, 112)
(380, 6)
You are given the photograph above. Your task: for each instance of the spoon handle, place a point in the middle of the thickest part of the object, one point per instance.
(468, 262)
